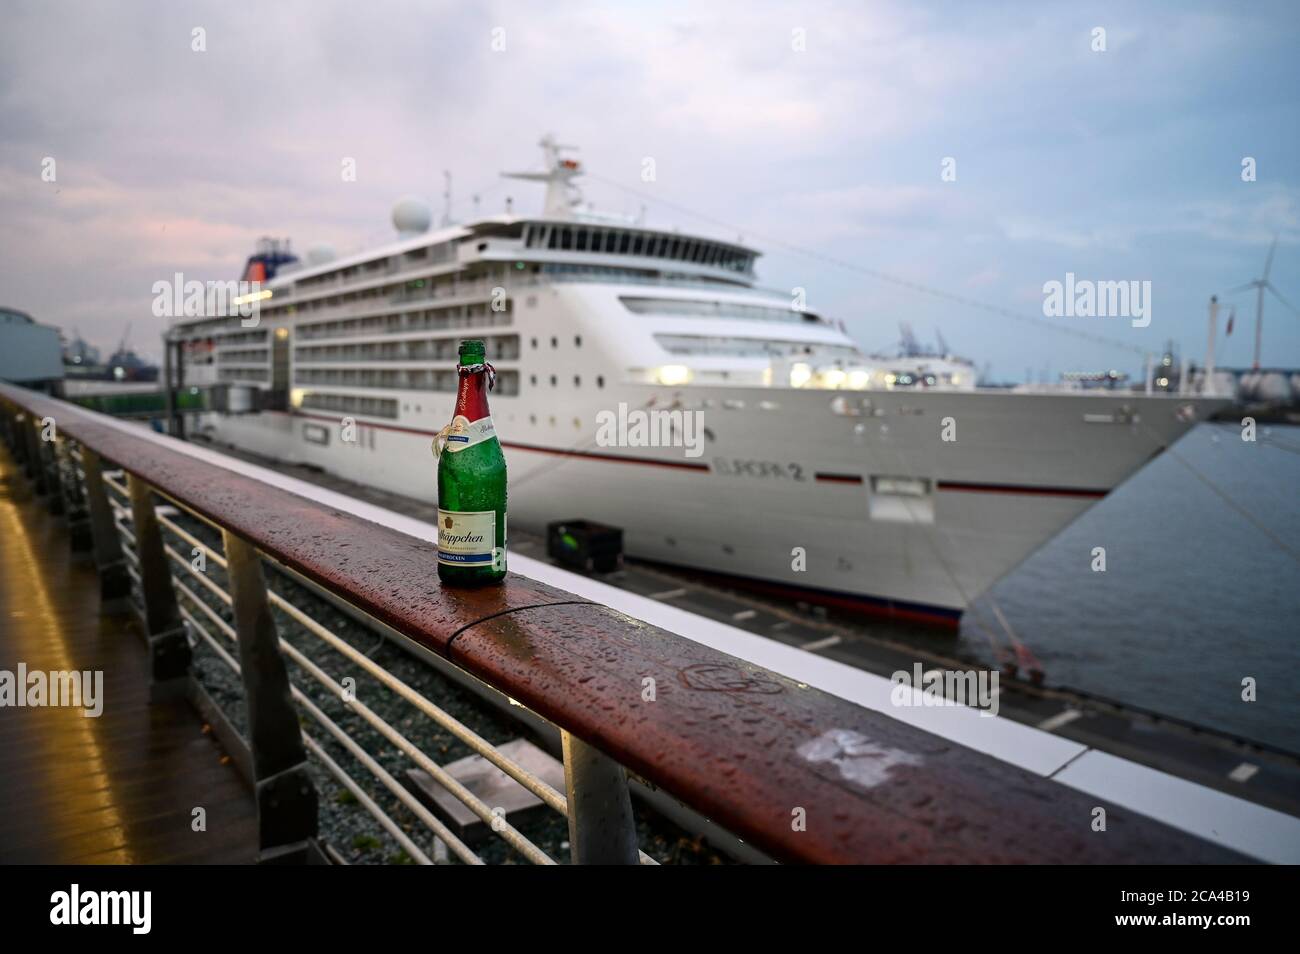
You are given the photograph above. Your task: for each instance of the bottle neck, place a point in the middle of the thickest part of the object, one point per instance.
(472, 395)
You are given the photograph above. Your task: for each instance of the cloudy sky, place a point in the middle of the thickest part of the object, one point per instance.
(1122, 164)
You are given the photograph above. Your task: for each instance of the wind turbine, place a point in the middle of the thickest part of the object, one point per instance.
(1260, 284)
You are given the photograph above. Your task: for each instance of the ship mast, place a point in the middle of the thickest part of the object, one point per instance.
(562, 196)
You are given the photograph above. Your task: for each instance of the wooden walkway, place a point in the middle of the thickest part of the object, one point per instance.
(120, 788)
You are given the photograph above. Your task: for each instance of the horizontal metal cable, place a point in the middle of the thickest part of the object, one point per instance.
(120, 488)
(463, 851)
(480, 808)
(333, 767)
(462, 794)
(366, 801)
(226, 628)
(214, 555)
(481, 746)
(198, 575)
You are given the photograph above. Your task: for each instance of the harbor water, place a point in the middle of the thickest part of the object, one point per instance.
(1201, 589)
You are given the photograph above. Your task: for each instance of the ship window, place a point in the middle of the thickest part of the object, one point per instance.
(555, 342)
(577, 341)
(582, 240)
(714, 309)
(532, 379)
(577, 380)
(624, 243)
(566, 238)
(534, 342)
(636, 245)
(600, 380)
(554, 238)
(553, 380)
(611, 241)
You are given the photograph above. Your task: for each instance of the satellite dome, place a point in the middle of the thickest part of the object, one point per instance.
(411, 216)
(320, 254)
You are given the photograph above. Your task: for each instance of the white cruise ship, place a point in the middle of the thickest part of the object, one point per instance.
(822, 473)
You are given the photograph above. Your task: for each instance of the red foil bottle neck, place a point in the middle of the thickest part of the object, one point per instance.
(472, 396)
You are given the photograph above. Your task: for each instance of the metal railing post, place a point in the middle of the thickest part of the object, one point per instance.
(286, 796)
(35, 466)
(9, 421)
(114, 582)
(602, 830)
(56, 505)
(18, 425)
(169, 650)
(74, 500)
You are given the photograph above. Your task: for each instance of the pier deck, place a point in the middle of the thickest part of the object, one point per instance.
(119, 788)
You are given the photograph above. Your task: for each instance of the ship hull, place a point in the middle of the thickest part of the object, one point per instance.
(909, 504)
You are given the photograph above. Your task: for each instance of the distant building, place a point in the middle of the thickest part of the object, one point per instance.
(30, 354)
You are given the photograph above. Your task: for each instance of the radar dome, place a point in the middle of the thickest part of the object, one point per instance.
(411, 216)
(320, 254)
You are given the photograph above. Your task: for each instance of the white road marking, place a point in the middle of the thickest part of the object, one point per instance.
(744, 614)
(1061, 718)
(668, 594)
(1243, 772)
(817, 644)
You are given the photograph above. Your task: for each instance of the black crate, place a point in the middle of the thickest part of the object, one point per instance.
(585, 545)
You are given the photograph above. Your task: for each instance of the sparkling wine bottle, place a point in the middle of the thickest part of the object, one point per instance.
(471, 481)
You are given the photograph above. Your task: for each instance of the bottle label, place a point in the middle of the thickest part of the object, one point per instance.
(468, 539)
(465, 433)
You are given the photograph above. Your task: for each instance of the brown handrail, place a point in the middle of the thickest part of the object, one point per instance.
(801, 774)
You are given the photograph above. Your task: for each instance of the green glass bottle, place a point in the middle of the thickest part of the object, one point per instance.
(471, 481)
